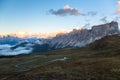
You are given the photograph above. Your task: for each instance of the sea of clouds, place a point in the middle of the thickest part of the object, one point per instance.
(5, 50)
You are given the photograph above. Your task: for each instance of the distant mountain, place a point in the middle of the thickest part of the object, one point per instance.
(99, 60)
(12, 40)
(82, 37)
(75, 38)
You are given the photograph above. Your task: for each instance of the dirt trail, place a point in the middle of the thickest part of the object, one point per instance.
(28, 66)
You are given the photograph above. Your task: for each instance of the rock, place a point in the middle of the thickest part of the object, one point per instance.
(82, 37)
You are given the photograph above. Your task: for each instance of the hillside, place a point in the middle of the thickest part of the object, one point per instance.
(98, 61)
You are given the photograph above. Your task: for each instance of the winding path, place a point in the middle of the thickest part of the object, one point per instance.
(30, 66)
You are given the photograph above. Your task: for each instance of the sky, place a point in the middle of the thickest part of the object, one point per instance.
(53, 15)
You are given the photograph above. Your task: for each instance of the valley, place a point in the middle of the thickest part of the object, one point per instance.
(59, 39)
(98, 61)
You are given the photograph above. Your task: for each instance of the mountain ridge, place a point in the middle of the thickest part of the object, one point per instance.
(75, 38)
(80, 38)
(89, 62)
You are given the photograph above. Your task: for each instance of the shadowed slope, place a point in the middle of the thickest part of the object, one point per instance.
(97, 61)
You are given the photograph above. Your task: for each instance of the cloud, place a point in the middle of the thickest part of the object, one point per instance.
(87, 25)
(104, 19)
(5, 46)
(118, 9)
(67, 10)
(92, 13)
(117, 18)
(5, 50)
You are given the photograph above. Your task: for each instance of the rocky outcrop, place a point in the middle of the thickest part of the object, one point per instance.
(105, 29)
(76, 38)
(82, 37)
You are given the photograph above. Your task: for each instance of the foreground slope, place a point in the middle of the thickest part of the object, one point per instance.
(98, 61)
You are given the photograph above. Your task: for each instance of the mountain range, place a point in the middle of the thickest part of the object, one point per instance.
(76, 38)
(99, 60)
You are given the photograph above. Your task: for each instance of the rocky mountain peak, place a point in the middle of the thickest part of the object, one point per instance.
(82, 37)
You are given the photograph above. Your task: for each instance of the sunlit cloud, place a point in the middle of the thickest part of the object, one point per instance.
(118, 9)
(66, 10)
(27, 34)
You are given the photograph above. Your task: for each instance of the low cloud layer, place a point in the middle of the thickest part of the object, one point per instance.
(67, 10)
(5, 50)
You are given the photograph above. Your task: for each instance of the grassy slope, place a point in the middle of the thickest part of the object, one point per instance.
(98, 61)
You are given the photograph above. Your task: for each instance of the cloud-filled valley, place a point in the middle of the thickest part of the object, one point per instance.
(5, 50)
